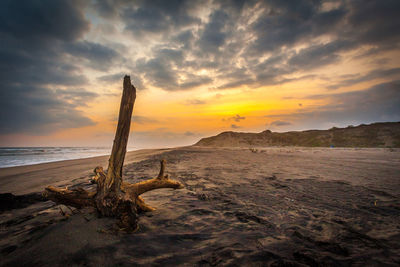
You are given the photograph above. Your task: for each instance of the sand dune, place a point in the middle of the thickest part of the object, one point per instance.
(260, 207)
(382, 134)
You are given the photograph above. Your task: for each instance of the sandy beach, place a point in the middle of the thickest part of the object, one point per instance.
(260, 207)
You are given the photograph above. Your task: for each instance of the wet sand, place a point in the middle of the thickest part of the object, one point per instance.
(239, 207)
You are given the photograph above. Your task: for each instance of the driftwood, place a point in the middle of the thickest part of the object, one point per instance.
(113, 197)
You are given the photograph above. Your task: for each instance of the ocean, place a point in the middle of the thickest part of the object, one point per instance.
(19, 156)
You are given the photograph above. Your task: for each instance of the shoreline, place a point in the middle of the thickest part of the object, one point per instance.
(41, 158)
(28, 178)
(205, 147)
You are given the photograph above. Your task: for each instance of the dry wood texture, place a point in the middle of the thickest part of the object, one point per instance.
(113, 197)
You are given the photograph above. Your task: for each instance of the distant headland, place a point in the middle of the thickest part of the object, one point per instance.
(385, 134)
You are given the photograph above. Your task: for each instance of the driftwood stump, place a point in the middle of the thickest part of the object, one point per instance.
(113, 197)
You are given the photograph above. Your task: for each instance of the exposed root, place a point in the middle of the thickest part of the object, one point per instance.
(162, 181)
(125, 206)
(77, 198)
(142, 206)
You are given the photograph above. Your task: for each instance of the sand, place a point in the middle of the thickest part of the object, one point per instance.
(259, 207)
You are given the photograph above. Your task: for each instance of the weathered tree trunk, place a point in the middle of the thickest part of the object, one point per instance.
(109, 199)
(113, 197)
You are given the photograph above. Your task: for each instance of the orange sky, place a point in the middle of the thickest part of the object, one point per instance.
(231, 73)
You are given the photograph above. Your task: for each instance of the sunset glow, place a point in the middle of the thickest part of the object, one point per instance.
(200, 68)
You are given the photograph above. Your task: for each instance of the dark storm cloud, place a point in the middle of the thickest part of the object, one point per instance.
(377, 103)
(31, 38)
(375, 74)
(376, 22)
(107, 8)
(99, 56)
(352, 24)
(143, 17)
(244, 31)
(159, 72)
(184, 39)
(41, 21)
(75, 97)
(279, 27)
(213, 35)
(193, 81)
(235, 78)
(38, 110)
(320, 55)
(285, 23)
(19, 63)
(34, 35)
(237, 43)
(235, 84)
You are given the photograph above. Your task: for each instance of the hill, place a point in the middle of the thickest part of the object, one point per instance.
(385, 134)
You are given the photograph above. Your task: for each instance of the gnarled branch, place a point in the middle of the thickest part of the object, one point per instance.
(162, 181)
(77, 198)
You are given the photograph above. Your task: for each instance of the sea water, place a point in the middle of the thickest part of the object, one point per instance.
(19, 156)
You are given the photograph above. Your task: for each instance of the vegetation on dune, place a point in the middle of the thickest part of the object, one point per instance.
(374, 135)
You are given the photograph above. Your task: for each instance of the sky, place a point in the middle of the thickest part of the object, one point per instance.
(200, 68)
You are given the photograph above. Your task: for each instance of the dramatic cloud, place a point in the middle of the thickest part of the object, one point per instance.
(213, 36)
(98, 56)
(162, 72)
(285, 23)
(41, 21)
(375, 74)
(319, 55)
(249, 43)
(144, 17)
(379, 103)
(40, 111)
(56, 57)
(33, 67)
(375, 21)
